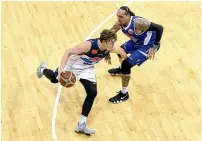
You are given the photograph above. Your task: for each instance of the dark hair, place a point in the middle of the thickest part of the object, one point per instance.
(127, 10)
(107, 35)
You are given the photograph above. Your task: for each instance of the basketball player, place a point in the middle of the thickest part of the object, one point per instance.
(80, 59)
(144, 42)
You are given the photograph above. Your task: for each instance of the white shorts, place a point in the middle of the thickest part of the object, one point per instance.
(81, 70)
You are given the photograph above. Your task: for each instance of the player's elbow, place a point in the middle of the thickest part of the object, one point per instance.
(72, 51)
(161, 28)
(156, 27)
(68, 53)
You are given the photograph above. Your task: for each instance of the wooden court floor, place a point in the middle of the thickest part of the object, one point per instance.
(164, 100)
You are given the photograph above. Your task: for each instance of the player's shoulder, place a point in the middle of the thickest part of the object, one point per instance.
(94, 40)
(88, 42)
(139, 19)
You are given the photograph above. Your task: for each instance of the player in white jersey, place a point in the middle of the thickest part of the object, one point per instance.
(144, 42)
(80, 59)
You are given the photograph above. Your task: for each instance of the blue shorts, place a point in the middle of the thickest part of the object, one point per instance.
(138, 52)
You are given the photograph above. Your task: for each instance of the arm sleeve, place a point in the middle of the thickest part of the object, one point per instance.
(159, 31)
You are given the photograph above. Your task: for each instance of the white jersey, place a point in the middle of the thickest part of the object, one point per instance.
(83, 65)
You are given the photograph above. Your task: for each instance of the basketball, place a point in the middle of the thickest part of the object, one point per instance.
(67, 79)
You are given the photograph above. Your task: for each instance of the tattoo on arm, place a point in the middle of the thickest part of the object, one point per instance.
(141, 24)
(116, 27)
(125, 80)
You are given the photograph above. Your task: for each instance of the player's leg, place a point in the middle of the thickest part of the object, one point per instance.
(91, 91)
(127, 47)
(136, 58)
(48, 73)
(123, 94)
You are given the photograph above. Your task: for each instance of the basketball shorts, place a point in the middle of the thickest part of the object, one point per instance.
(80, 69)
(138, 53)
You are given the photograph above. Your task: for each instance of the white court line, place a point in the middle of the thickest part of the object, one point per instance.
(60, 86)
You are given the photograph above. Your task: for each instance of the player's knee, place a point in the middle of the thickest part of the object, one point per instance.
(92, 92)
(126, 67)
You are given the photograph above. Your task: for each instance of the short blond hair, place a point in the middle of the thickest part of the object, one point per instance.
(107, 35)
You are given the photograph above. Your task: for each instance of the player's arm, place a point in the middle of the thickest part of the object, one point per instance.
(120, 52)
(142, 24)
(116, 27)
(78, 49)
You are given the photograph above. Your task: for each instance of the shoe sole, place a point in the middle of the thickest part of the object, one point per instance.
(119, 102)
(83, 133)
(38, 73)
(115, 74)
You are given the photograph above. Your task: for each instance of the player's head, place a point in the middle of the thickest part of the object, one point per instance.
(123, 14)
(108, 38)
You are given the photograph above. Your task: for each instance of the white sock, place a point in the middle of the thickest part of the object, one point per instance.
(42, 70)
(124, 90)
(82, 119)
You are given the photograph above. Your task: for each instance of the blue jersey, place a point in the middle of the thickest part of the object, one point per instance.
(146, 38)
(139, 44)
(94, 55)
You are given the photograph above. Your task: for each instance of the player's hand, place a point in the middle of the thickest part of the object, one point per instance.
(59, 72)
(108, 59)
(151, 52)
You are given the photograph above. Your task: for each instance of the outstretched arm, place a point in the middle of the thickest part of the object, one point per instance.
(120, 52)
(142, 25)
(78, 49)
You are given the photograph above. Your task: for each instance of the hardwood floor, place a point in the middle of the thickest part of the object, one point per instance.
(164, 102)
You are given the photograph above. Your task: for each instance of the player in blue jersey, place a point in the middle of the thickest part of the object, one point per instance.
(80, 59)
(144, 42)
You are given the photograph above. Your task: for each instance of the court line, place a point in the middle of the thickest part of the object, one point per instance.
(60, 86)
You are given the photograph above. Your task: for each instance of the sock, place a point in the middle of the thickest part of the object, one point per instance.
(124, 90)
(82, 119)
(42, 70)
